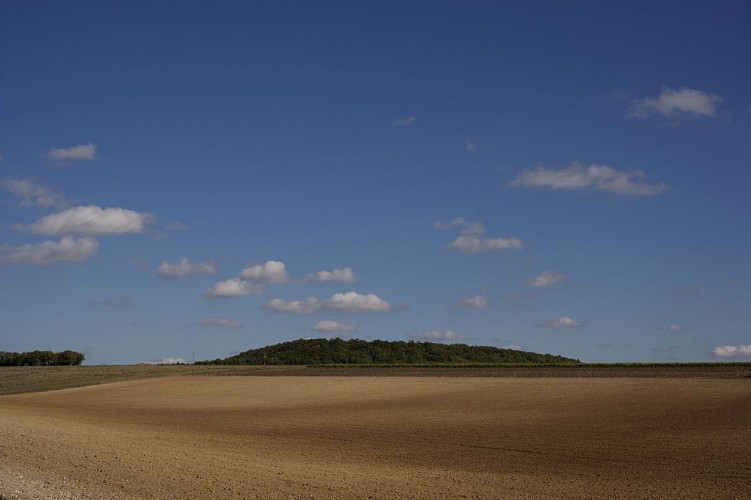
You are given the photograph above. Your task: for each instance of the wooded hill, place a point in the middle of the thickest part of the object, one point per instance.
(353, 351)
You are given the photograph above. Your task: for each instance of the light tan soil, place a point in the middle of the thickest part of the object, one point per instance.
(358, 437)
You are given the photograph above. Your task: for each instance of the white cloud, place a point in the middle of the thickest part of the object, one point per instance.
(234, 287)
(678, 328)
(339, 302)
(562, 322)
(595, 177)
(471, 147)
(469, 240)
(355, 302)
(75, 153)
(504, 344)
(307, 306)
(466, 226)
(475, 302)
(470, 243)
(90, 220)
(345, 275)
(269, 272)
(69, 249)
(676, 102)
(334, 326)
(407, 121)
(220, 322)
(546, 279)
(438, 336)
(168, 361)
(32, 194)
(732, 351)
(185, 267)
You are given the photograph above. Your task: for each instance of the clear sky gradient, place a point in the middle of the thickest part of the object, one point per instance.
(210, 177)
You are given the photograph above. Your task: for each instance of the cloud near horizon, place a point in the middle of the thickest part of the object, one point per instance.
(90, 220)
(578, 176)
(339, 302)
(82, 152)
(676, 102)
(334, 326)
(185, 267)
(438, 336)
(69, 249)
(732, 351)
(167, 361)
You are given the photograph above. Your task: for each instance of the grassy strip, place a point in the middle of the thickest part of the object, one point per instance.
(533, 365)
(17, 380)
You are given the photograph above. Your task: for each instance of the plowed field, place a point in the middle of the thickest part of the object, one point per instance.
(360, 437)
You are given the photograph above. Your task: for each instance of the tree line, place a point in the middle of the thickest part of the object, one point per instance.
(41, 358)
(354, 351)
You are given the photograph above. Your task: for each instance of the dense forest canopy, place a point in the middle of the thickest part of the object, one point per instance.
(40, 358)
(354, 351)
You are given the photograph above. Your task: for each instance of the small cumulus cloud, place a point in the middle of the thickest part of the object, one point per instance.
(334, 327)
(235, 287)
(504, 344)
(269, 272)
(185, 267)
(345, 275)
(406, 121)
(469, 240)
(546, 279)
(220, 323)
(472, 244)
(676, 102)
(477, 301)
(355, 302)
(562, 322)
(732, 351)
(675, 327)
(308, 306)
(81, 152)
(595, 177)
(90, 220)
(167, 361)
(438, 336)
(68, 249)
(471, 147)
(33, 194)
(339, 302)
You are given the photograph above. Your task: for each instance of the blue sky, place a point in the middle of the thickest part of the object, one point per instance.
(209, 177)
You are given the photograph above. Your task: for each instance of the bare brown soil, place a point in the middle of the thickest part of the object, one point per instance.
(380, 437)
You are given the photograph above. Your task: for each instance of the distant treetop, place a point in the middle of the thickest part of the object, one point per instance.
(40, 358)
